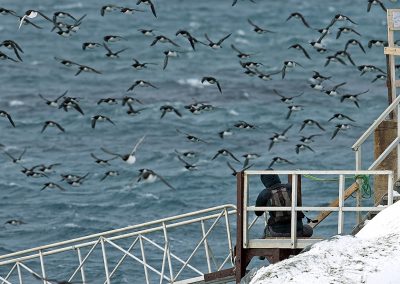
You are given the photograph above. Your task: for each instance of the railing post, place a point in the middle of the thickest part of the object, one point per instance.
(146, 273)
(240, 261)
(103, 249)
(358, 193)
(19, 274)
(168, 254)
(245, 213)
(42, 266)
(228, 234)
(390, 189)
(341, 204)
(294, 213)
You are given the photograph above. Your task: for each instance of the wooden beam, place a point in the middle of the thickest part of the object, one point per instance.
(391, 51)
(348, 192)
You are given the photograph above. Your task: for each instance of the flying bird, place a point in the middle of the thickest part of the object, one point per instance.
(129, 158)
(148, 2)
(297, 15)
(52, 124)
(97, 118)
(5, 114)
(257, 29)
(148, 175)
(216, 45)
(212, 80)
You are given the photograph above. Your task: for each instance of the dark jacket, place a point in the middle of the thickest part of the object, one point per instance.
(263, 200)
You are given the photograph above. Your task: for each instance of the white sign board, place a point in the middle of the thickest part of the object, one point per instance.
(396, 20)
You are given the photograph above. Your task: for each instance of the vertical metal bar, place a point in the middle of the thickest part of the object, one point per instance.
(19, 274)
(81, 265)
(341, 203)
(245, 217)
(391, 76)
(42, 266)
(103, 249)
(293, 231)
(390, 189)
(206, 246)
(358, 193)
(144, 260)
(228, 233)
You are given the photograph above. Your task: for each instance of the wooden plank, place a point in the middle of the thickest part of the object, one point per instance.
(391, 51)
(220, 276)
(349, 191)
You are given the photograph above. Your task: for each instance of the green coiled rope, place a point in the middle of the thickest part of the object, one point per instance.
(363, 180)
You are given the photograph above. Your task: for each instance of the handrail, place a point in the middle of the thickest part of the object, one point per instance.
(340, 207)
(375, 124)
(104, 242)
(110, 232)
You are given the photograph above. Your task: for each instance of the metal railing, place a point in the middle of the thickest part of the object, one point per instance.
(341, 208)
(357, 145)
(36, 261)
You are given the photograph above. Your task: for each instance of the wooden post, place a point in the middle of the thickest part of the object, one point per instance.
(385, 133)
(240, 260)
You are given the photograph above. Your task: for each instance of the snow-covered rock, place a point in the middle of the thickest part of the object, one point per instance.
(372, 256)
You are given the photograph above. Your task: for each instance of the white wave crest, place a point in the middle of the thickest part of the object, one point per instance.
(16, 103)
(193, 82)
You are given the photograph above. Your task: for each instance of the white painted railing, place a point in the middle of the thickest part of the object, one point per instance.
(357, 145)
(96, 254)
(341, 208)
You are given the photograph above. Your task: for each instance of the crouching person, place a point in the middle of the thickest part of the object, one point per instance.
(279, 222)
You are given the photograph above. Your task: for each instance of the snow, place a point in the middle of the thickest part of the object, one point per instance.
(372, 256)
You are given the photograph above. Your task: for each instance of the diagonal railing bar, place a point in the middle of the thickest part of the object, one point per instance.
(9, 273)
(198, 245)
(163, 261)
(4, 280)
(146, 273)
(123, 258)
(32, 272)
(173, 255)
(166, 239)
(19, 274)
(42, 266)
(84, 260)
(225, 261)
(134, 257)
(206, 247)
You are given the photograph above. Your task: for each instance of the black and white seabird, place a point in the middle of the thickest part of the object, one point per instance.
(301, 48)
(346, 30)
(279, 137)
(112, 38)
(10, 44)
(147, 175)
(310, 122)
(168, 54)
(141, 83)
(287, 100)
(111, 173)
(109, 101)
(377, 42)
(216, 45)
(90, 45)
(108, 8)
(98, 117)
(147, 32)
(375, 2)
(289, 64)
(301, 147)
(353, 97)
(257, 29)
(4, 56)
(168, 108)
(192, 40)
(69, 103)
(341, 127)
(191, 137)
(111, 54)
(14, 222)
(163, 39)
(52, 185)
(244, 125)
(353, 42)
(333, 91)
(279, 160)
(129, 158)
(234, 172)
(5, 114)
(188, 166)
(138, 65)
(212, 80)
(241, 54)
(102, 162)
(52, 124)
(148, 2)
(225, 152)
(340, 116)
(31, 14)
(84, 68)
(293, 108)
(308, 139)
(297, 15)
(14, 159)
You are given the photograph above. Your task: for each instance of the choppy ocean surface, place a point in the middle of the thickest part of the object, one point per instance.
(52, 215)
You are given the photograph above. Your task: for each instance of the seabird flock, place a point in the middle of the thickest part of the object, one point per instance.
(66, 24)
